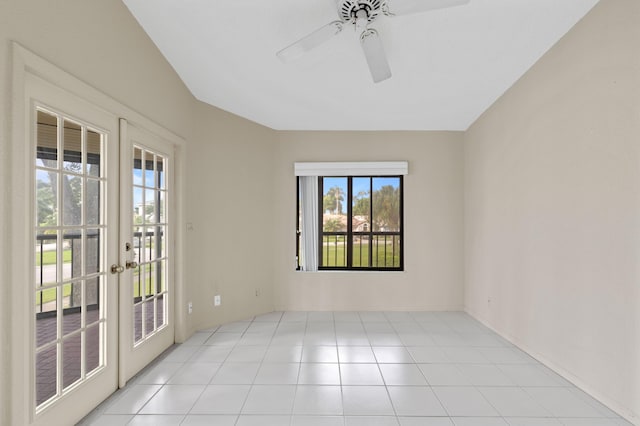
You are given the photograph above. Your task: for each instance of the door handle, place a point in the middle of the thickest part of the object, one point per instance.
(117, 269)
(131, 264)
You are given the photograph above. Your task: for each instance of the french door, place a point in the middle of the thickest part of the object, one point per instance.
(146, 298)
(100, 288)
(74, 234)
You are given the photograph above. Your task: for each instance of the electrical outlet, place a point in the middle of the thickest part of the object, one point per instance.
(190, 308)
(217, 300)
(258, 292)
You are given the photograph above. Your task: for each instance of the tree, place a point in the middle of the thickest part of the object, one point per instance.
(386, 208)
(332, 225)
(333, 200)
(361, 204)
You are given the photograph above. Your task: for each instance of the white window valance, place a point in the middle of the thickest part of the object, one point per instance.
(372, 168)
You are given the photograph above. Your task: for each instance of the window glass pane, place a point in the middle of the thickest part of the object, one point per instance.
(361, 204)
(150, 206)
(92, 297)
(71, 200)
(334, 251)
(150, 285)
(46, 198)
(71, 298)
(386, 204)
(47, 144)
(386, 251)
(149, 314)
(72, 141)
(334, 196)
(138, 206)
(94, 153)
(361, 251)
(137, 322)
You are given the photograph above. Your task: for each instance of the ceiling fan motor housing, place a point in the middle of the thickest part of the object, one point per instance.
(347, 9)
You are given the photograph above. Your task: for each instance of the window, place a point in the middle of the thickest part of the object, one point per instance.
(359, 224)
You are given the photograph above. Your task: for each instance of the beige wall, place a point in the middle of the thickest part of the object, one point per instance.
(433, 223)
(552, 213)
(230, 197)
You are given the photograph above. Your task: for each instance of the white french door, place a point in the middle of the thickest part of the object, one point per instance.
(146, 297)
(99, 299)
(74, 232)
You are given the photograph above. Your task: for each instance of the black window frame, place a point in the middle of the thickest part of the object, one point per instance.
(350, 233)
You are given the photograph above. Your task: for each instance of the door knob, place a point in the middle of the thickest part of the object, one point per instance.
(131, 264)
(116, 269)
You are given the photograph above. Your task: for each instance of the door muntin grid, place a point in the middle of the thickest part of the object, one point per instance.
(150, 230)
(70, 244)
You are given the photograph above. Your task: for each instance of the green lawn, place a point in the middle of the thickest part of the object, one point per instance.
(49, 257)
(334, 255)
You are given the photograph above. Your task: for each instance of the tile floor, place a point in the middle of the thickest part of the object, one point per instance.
(350, 369)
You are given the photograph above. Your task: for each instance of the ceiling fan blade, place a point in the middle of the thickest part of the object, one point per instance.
(376, 58)
(406, 7)
(310, 41)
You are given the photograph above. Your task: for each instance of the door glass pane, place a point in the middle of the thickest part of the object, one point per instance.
(149, 278)
(71, 200)
(68, 260)
(46, 200)
(46, 379)
(71, 359)
(72, 145)
(47, 140)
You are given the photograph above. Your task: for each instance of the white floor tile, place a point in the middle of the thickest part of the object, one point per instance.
(221, 399)
(319, 374)
(318, 400)
(270, 399)
(513, 402)
(235, 374)
(366, 400)
(371, 421)
(173, 399)
(133, 399)
(360, 374)
(156, 420)
(443, 375)
(283, 354)
(484, 375)
(392, 355)
(272, 420)
(425, 421)
(402, 374)
(247, 354)
(561, 402)
(479, 421)
(464, 401)
(208, 420)
(415, 401)
(532, 421)
(319, 354)
(194, 374)
(356, 354)
(278, 374)
(351, 369)
(317, 421)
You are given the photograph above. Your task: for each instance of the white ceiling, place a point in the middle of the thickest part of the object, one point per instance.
(448, 65)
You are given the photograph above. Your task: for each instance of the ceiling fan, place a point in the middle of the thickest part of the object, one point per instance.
(361, 13)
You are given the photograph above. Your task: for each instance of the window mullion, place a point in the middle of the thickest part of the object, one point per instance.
(349, 237)
(370, 247)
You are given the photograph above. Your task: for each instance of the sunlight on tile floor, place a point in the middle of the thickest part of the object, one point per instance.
(350, 369)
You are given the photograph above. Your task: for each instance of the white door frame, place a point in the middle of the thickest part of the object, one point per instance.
(24, 62)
